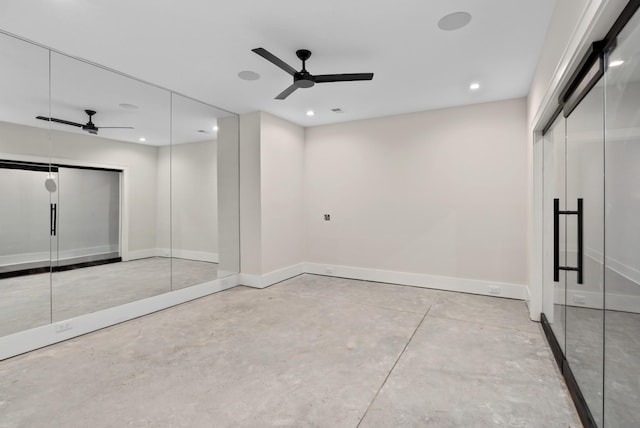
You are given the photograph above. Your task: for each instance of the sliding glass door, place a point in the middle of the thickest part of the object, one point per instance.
(622, 224)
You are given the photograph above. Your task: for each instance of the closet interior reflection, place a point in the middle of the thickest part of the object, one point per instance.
(109, 186)
(592, 233)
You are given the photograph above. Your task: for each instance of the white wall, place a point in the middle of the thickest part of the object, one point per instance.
(272, 198)
(282, 176)
(440, 192)
(140, 159)
(192, 224)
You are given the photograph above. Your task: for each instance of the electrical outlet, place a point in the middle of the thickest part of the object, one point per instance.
(579, 300)
(63, 326)
(494, 289)
(328, 270)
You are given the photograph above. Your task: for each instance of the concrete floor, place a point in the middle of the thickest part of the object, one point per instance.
(34, 300)
(312, 351)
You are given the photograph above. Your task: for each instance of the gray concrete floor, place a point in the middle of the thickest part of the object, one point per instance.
(312, 351)
(34, 300)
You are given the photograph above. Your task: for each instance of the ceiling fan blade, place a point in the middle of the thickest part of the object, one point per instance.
(284, 94)
(275, 60)
(115, 127)
(348, 77)
(64, 122)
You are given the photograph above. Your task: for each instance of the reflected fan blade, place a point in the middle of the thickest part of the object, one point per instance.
(116, 127)
(275, 60)
(64, 122)
(348, 77)
(284, 94)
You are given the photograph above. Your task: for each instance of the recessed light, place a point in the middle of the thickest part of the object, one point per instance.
(454, 21)
(128, 106)
(310, 113)
(142, 139)
(474, 86)
(248, 75)
(215, 128)
(616, 63)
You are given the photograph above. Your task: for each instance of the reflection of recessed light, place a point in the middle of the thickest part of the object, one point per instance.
(474, 86)
(129, 106)
(310, 113)
(215, 128)
(142, 139)
(454, 21)
(616, 63)
(248, 75)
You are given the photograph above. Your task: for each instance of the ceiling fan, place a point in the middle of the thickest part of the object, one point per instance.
(304, 79)
(90, 127)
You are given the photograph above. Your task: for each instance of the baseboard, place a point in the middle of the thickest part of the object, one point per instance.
(262, 281)
(464, 285)
(45, 256)
(201, 256)
(140, 254)
(181, 254)
(49, 334)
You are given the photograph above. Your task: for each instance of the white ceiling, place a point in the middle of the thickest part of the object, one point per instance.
(197, 47)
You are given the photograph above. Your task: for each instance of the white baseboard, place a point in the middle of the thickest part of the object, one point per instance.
(44, 256)
(166, 252)
(464, 285)
(474, 286)
(596, 300)
(49, 334)
(140, 254)
(262, 281)
(192, 255)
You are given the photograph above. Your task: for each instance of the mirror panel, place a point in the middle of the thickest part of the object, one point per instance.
(112, 236)
(25, 295)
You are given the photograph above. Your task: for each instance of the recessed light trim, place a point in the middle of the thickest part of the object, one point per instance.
(128, 106)
(454, 21)
(142, 139)
(248, 75)
(474, 86)
(616, 63)
(311, 113)
(215, 128)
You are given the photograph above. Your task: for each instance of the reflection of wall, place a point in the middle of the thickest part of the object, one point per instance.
(140, 160)
(24, 217)
(88, 212)
(440, 192)
(194, 218)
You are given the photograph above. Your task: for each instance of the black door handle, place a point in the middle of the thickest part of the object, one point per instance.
(53, 214)
(556, 240)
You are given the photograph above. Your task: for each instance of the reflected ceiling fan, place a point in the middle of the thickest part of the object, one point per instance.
(304, 79)
(90, 127)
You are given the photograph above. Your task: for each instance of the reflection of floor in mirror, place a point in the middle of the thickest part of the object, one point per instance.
(24, 300)
(621, 362)
(312, 351)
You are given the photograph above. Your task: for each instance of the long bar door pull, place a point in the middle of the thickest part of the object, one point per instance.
(556, 240)
(53, 218)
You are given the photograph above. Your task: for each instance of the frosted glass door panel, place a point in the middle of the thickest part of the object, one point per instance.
(622, 223)
(25, 226)
(584, 300)
(89, 215)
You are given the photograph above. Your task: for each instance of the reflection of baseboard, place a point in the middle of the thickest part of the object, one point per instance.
(18, 259)
(596, 300)
(616, 266)
(181, 254)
